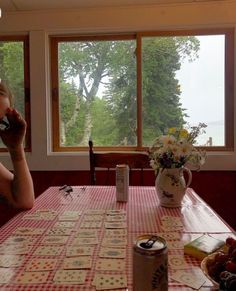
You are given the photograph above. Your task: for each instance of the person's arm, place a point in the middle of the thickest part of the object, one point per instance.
(16, 187)
(22, 185)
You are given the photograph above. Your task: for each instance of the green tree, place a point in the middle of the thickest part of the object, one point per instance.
(85, 61)
(105, 129)
(161, 58)
(111, 120)
(161, 91)
(12, 70)
(121, 95)
(72, 114)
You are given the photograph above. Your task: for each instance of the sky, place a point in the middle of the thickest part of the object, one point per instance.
(202, 82)
(202, 86)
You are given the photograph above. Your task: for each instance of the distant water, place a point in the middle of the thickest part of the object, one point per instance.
(216, 131)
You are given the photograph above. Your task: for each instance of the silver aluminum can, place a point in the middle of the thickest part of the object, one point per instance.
(150, 264)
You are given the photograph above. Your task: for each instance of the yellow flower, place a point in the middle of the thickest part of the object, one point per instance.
(172, 130)
(183, 133)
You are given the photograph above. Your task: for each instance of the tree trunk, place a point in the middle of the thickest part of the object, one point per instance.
(62, 134)
(87, 125)
(71, 122)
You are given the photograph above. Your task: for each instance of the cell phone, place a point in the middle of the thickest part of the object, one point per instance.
(4, 124)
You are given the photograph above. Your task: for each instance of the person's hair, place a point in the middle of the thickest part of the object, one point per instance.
(5, 91)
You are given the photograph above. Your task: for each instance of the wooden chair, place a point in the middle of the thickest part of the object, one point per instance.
(109, 160)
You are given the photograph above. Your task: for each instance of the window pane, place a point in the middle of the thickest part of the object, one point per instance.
(184, 85)
(12, 72)
(97, 93)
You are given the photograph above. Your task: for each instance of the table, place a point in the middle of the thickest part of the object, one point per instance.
(143, 216)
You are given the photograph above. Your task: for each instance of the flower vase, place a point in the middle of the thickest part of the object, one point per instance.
(171, 186)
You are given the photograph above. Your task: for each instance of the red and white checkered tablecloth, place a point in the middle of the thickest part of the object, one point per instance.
(143, 217)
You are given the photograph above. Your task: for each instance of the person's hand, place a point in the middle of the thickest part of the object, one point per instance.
(13, 137)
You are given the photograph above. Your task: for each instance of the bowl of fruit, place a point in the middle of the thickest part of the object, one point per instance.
(206, 266)
(220, 267)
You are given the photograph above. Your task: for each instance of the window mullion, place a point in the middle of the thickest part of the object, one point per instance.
(139, 91)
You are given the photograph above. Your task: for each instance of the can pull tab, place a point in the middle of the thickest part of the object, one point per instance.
(148, 244)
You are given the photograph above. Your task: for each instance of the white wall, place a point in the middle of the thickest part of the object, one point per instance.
(39, 25)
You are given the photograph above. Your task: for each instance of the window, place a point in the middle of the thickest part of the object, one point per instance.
(123, 91)
(14, 71)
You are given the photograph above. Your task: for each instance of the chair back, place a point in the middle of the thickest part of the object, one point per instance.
(109, 160)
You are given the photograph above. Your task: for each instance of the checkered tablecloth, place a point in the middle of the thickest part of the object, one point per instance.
(143, 217)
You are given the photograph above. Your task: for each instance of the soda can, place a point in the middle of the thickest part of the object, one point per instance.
(122, 183)
(150, 264)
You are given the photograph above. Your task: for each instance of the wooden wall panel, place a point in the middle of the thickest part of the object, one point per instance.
(43, 180)
(218, 189)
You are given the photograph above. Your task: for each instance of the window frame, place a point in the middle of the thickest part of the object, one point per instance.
(228, 96)
(25, 40)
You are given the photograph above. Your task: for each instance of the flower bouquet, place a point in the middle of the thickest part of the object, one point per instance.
(176, 149)
(169, 157)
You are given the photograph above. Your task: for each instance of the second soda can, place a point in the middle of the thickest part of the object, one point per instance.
(122, 183)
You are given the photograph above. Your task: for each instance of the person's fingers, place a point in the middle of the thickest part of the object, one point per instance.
(14, 116)
(11, 113)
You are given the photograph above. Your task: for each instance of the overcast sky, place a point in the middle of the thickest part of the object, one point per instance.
(202, 82)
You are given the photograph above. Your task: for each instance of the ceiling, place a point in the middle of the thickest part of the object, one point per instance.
(31, 5)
